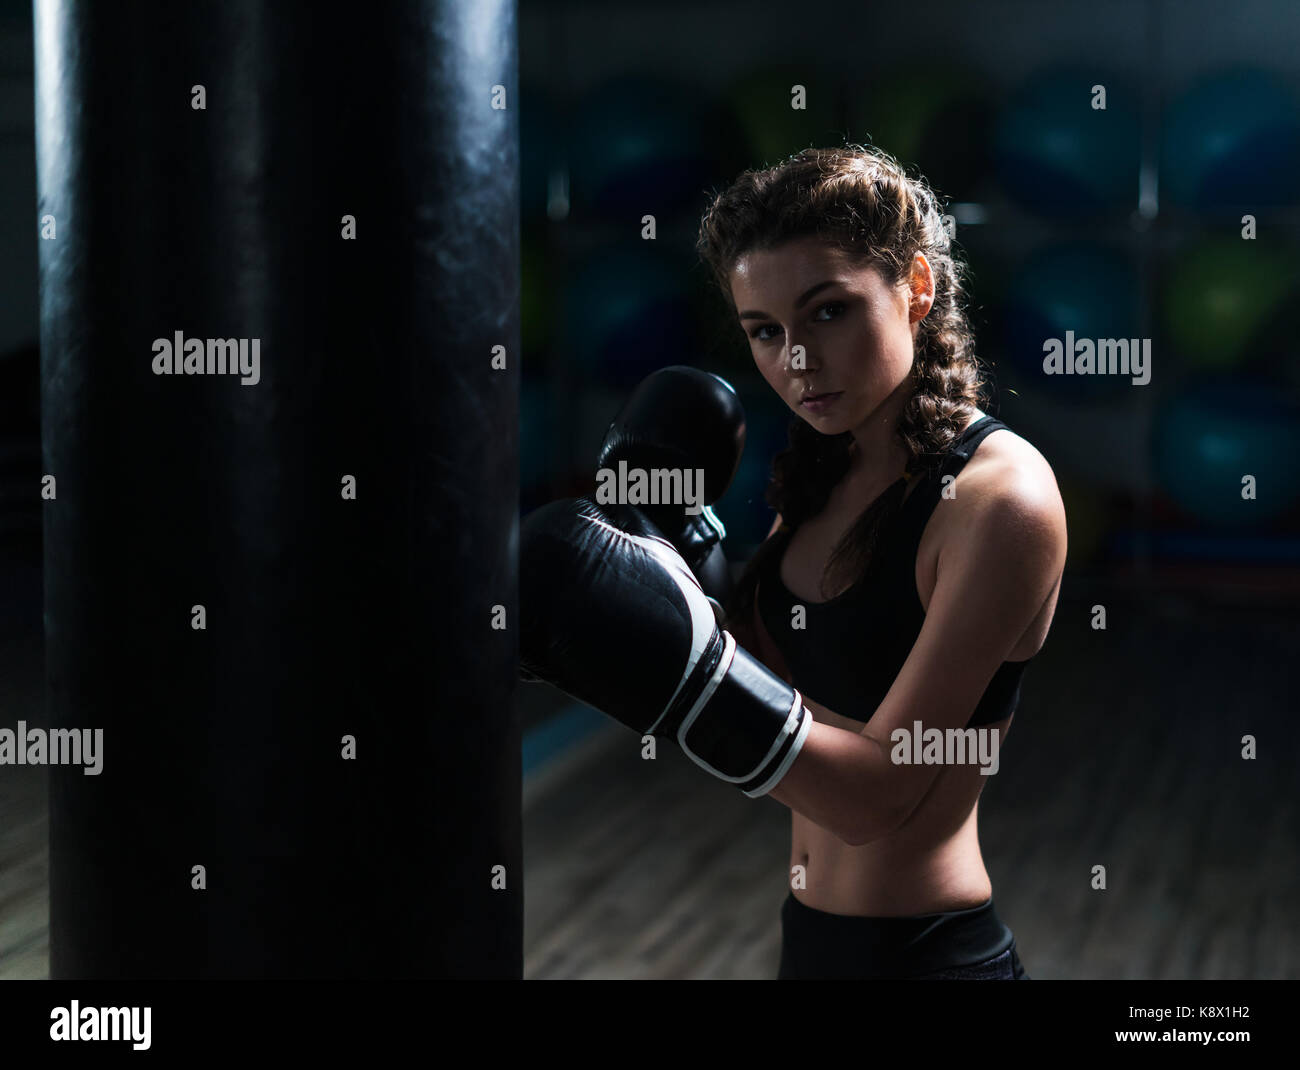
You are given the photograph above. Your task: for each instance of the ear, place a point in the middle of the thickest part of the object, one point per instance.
(921, 285)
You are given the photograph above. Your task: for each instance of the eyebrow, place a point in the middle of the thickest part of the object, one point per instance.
(804, 298)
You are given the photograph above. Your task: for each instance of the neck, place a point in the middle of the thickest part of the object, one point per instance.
(878, 454)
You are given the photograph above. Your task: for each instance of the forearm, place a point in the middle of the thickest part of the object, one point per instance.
(842, 781)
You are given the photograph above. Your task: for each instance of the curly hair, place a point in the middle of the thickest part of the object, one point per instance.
(863, 202)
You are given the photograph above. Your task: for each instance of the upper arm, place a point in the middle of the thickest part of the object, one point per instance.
(993, 576)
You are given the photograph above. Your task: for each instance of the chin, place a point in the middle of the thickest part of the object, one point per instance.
(827, 425)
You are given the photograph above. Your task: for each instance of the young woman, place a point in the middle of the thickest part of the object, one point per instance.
(913, 569)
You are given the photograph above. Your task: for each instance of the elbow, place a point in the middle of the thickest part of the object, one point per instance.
(888, 803)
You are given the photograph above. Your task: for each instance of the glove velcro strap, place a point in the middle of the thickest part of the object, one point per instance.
(747, 725)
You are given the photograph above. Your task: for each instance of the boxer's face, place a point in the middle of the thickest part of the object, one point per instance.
(857, 331)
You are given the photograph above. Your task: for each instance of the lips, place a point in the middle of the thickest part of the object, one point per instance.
(819, 402)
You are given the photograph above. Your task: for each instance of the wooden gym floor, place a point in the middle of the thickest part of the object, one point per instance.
(1126, 754)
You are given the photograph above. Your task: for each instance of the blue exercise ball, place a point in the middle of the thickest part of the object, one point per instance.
(1212, 434)
(1059, 155)
(628, 312)
(1234, 139)
(637, 148)
(1071, 295)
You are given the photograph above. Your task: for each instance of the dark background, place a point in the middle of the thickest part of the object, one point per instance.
(1127, 748)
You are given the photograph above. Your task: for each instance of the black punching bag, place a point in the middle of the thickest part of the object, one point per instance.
(279, 331)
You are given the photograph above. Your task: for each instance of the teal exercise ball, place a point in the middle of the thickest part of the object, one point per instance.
(627, 313)
(1216, 431)
(1066, 294)
(1233, 140)
(637, 147)
(1059, 155)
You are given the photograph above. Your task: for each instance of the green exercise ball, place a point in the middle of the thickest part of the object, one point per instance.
(1220, 296)
(776, 120)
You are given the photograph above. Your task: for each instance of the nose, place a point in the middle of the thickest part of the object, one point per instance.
(799, 360)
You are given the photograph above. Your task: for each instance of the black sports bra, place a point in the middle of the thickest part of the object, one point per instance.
(852, 647)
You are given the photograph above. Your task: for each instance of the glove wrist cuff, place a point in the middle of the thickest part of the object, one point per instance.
(746, 726)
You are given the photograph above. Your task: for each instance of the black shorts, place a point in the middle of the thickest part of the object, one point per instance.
(971, 945)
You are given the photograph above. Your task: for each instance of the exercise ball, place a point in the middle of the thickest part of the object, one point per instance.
(1073, 295)
(1060, 156)
(1222, 297)
(637, 148)
(1234, 139)
(1212, 433)
(941, 122)
(762, 103)
(628, 313)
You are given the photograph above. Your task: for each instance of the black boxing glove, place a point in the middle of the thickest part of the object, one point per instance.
(619, 622)
(683, 419)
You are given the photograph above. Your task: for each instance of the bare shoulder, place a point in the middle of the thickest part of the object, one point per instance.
(1008, 489)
